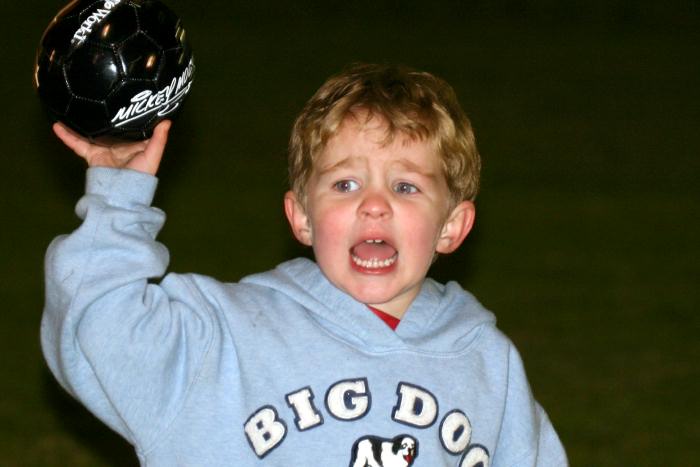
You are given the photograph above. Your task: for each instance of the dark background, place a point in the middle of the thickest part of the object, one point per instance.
(586, 245)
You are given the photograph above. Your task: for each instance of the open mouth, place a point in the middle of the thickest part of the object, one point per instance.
(374, 254)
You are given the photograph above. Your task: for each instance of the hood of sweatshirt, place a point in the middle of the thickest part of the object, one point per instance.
(443, 319)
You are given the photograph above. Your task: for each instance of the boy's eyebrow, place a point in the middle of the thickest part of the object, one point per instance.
(345, 162)
(405, 164)
(411, 166)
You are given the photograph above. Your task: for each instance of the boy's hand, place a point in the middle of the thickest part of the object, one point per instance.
(143, 156)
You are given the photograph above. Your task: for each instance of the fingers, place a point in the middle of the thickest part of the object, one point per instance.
(144, 156)
(71, 139)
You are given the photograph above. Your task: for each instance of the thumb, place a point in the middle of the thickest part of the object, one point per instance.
(155, 147)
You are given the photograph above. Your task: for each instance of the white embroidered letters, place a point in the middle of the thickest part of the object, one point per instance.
(455, 432)
(264, 430)
(306, 414)
(348, 400)
(477, 456)
(416, 406)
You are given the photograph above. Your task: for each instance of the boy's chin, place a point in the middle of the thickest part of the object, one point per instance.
(375, 298)
(392, 303)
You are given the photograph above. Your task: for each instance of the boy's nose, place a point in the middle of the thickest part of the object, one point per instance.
(375, 205)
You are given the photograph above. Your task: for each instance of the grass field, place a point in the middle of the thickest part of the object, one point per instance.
(586, 245)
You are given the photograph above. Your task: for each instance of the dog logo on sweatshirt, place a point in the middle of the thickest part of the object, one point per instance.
(372, 451)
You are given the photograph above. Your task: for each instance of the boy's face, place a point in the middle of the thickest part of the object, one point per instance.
(376, 213)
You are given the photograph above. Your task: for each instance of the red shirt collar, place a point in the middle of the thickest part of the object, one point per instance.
(391, 321)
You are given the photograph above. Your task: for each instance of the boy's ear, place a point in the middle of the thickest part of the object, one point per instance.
(298, 220)
(456, 228)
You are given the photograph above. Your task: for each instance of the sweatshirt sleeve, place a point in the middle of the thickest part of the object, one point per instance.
(527, 437)
(129, 348)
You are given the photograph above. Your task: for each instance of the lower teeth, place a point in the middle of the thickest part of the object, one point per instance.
(374, 263)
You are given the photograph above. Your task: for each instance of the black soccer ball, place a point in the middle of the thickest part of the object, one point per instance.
(112, 69)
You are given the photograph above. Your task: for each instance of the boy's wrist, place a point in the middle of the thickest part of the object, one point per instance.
(122, 186)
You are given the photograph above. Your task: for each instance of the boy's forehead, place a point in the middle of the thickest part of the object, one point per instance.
(358, 139)
(371, 125)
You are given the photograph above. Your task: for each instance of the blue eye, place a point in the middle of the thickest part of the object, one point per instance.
(405, 188)
(345, 186)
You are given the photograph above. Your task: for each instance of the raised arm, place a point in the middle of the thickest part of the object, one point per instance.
(118, 334)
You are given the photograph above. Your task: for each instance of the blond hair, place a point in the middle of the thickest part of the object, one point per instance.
(414, 103)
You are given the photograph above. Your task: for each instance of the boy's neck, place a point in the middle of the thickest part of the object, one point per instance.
(398, 306)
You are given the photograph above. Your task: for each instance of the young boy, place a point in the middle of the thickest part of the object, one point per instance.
(356, 359)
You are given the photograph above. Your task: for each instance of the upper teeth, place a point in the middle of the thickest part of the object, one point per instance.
(374, 241)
